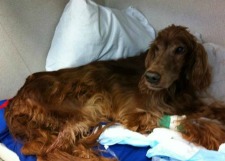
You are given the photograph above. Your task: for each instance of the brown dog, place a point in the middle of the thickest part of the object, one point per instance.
(54, 113)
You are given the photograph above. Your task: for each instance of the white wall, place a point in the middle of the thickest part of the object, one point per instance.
(26, 30)
(202, 16)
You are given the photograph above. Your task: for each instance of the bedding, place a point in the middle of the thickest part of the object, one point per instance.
(87, 32)
(216, 56)
(161, 142)
(125, 145)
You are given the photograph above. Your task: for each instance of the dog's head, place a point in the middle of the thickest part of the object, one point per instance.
(176, 56)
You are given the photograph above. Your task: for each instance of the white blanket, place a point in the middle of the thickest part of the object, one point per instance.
(163, 142)
(7, 155)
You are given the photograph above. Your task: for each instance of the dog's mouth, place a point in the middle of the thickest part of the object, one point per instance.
(157, 87)
(153, 87)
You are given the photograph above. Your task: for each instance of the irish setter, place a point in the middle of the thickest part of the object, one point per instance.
(54, 113)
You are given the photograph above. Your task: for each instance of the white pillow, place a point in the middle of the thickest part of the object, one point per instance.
(87, 32)
(216, 56)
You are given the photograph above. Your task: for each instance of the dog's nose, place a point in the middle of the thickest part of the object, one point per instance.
(152, 77)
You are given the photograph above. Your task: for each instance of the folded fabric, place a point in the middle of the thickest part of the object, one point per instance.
(125, 152)
(157, 158)
(165, 143)
(208, 155)
(118, 134)
(222, 148)
(7, 155)
(178, 148)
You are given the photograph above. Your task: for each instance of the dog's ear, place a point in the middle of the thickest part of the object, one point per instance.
(200, 74)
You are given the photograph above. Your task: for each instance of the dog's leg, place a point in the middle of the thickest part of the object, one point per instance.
(203, 131)
(76, 143)
(141, 121)
(79, 128)
(206, 127)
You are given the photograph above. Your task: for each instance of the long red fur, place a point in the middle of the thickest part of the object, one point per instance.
(54, 113)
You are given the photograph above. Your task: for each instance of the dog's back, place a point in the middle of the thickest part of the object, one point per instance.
(75, 99)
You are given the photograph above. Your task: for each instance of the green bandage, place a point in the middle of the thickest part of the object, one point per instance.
(172, 122)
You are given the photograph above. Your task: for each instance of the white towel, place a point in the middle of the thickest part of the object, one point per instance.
(7, 155)
(163, 142)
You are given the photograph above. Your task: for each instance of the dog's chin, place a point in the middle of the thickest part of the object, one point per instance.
(157, 87)
(153, 87)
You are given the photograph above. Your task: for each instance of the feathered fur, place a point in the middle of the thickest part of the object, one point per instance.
(54, 113)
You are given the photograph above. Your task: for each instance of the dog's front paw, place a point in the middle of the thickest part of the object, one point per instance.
(205, 132)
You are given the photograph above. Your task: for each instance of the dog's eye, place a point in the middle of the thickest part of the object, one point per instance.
(180, 50)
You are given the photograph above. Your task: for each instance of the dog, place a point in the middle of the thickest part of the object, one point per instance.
(54, 113)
